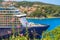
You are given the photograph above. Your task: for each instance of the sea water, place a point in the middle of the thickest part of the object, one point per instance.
(53, 22)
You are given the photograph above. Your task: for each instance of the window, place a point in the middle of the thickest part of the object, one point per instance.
(11, 11)
(5, 20)
(2, 8)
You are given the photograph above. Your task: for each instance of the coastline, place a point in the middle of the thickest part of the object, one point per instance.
(40, 17)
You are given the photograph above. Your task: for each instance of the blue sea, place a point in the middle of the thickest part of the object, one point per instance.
(53, 22)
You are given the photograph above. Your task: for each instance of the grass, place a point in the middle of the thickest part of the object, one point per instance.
(52, 35)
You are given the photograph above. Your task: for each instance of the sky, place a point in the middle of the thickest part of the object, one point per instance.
(56, 2)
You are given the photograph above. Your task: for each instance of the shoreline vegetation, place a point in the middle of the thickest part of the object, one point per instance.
(52, 35)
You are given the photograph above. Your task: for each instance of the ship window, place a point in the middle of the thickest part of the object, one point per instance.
(2, 8)
(3, 11)
(11, 11)
(8, 20)
(0, 11)
(16, 11)
(6, 9)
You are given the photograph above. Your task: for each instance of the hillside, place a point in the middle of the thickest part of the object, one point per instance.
(26, 3)
(42, 9)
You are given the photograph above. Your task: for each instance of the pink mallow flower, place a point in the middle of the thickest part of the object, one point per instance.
(21, 34)
(9, 32)
(18, 26)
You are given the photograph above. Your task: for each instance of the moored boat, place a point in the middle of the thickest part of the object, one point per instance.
(11, 17)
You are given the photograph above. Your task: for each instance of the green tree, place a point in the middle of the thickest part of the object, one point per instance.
(1, 0)
(36, 13)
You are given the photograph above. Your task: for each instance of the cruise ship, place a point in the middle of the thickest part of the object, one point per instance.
(11, 17)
